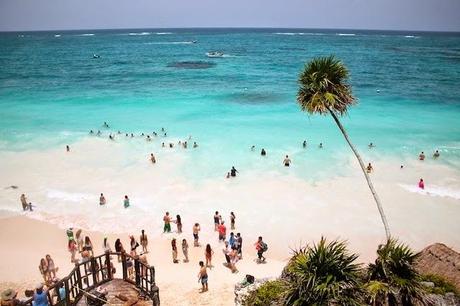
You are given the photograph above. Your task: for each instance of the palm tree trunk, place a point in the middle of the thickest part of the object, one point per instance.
(366, 175)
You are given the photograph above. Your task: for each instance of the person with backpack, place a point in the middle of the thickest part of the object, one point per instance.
(261, 247)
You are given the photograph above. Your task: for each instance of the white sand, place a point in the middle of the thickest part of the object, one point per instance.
(287, 211)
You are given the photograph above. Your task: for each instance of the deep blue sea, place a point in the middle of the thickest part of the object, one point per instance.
(52, 91)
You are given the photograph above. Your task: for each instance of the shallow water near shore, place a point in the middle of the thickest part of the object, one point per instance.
(52, 92)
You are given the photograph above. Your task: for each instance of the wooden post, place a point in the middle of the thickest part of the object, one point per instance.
(109, 266)
(67, 290)
(79, 282)
(94, 270)
(137, 271)
(123, 266)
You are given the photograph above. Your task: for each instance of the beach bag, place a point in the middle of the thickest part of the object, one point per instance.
(264, 247)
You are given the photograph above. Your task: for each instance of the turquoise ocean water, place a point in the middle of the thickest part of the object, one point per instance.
(52, 92)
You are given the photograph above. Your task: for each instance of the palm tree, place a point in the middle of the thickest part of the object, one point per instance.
(324, 274)
(324, 90)
(393, 278)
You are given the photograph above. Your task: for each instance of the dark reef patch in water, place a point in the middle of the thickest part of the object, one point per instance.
(247, 97)
(192, 65)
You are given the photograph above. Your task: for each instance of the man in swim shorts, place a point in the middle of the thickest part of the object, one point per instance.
(167, 226)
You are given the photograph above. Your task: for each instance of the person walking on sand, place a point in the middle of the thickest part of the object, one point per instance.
(203, 277)
(185, 250)
(421, 156)
(144, 242)
(232, 220)
(52, 269)
(261, 247)
(287, 161)
(167, 221)
(208, 255)
(421, 184)
(196, 238)
(222, 231)
(178, 222)
(25, 205)
(174, 250)
(126, 202)
(72, 247)
(43, 267)
(152, 158)
(102, 200)
(216, 221)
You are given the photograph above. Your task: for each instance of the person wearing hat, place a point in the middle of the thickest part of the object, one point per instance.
(40, 296)
(9, 298)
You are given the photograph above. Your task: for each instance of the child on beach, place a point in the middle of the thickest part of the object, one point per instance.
(261, 247)
(174, 250)
(196, 230)
(72, 247)
(126, 202)
(167, 221)
(179, 224)
(185, 249)
(208, 255)
(51, 267)
(144, 242)
(232, 220)
(203, 277)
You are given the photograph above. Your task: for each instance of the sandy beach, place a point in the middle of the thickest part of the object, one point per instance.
(286, 210)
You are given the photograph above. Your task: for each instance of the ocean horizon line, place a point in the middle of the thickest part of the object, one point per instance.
(261, 29)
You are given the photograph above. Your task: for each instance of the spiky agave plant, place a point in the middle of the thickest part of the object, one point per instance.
(323, 274)
(394, 273)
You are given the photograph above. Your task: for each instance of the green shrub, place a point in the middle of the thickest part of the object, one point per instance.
(441, 285)
(269, 292)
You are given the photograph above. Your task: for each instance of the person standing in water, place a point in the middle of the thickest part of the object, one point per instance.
(233, 171)
(102, 199)
(371, 145)
(421, 156)
(196, 230)
(25, 205)
(232, 220)
(320, 145)
(287, 161)
(67, 148)
(203, 277)
(152, 158)
(126, 202)
(304, 144)
(436, 154)
(167, 223)
(185, 250)
(421, 184)
(263, 152)
(174, 250)
(144, 242)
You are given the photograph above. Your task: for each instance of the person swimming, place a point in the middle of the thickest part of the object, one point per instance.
(320, 145)
(91, 132)
(287, 161)
(369, 168)
(304, 144)
(253, 147)
(171, 145)
(436, 154)
(119, 132)
(111, 137)
(163, 144)
(185, 144)
(233, 171)
(142, 134)
(99, 133)
(127, 135)
(262, 152)
(371, 145)
(421, 156)
(148, 138)
(106, 125)
(132, 135)
(154, 134)
(195, 145)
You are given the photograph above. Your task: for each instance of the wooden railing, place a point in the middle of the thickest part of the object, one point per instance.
(96, 271)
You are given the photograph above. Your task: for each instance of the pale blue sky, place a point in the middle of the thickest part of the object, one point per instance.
(431, 15)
